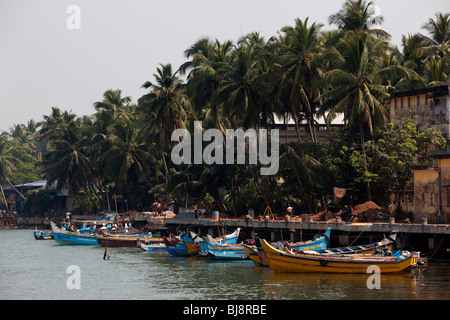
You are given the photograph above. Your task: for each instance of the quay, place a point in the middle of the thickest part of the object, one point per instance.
(429, 239)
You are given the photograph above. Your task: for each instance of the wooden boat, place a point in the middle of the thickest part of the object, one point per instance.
(227, 252)
(282, 261)
(72, 237)
(192, 243)
(210, 242)
(318, 243)
(257, 255)
(123, 240)
(170, 243)
(152, 247)
(43, 235)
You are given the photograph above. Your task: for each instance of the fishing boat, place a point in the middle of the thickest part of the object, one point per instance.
(123, 239)
(170, 243)
(192, 243)
(319, 242)
(227, 252)
(43, 235)
(209, 242)
(72, 237)
(152, 247)
(384, 244)
(313, 262)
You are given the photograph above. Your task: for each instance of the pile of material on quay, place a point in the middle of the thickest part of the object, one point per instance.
(365, 212)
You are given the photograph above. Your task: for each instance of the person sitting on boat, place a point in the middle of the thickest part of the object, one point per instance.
(70, 227)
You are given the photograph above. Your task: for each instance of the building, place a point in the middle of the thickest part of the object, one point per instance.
(430, 106)
(429, 195)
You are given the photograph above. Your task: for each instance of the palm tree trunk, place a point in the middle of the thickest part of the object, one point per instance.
(361, 133)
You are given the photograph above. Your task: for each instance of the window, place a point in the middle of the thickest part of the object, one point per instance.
(417, 101)
(409, 102)
(401, 103)
(395, 104)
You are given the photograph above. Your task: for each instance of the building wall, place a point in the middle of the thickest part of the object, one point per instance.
(425, 195)
(431, 109)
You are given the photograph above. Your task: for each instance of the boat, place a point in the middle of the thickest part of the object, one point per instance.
(151, 247)
(384, 244)
(313, 262)
(318, 243)
(170, 243)
(43, 235)
(72, 237)
(209, 242)
(192, 243)
(227, 252)
(123, 239)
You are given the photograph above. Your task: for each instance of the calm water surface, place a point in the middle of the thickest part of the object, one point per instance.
(34, 270)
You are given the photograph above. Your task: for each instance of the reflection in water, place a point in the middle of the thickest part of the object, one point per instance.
(409, 285)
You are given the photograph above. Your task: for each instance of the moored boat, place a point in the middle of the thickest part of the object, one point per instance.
(282, 261)
(209, 242)
(227, 252)
(43, 235)
(170, 243)
(72, 237)
(152, 247)
(319, 242)
(123, 240)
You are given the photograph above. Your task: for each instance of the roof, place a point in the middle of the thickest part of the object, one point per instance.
(433, 91)
(37, 184)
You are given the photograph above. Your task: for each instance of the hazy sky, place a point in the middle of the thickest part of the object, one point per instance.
(120, 43)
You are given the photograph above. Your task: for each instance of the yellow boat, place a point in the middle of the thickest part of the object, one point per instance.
(281, 261)
(254, 253)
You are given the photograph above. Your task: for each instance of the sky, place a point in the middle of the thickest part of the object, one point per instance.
(52, 56)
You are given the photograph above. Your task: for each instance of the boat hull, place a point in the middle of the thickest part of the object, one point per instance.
(282, 262)
(72, 238)
(227, 252)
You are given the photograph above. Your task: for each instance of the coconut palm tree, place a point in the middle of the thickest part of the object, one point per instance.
(66, 159)
(359, 16)
(355, 84)
(300, 47)
(438, 40)
(206, 67)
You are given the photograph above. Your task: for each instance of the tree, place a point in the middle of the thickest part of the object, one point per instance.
(355, 84)
(164, 109)
(359, 16)
(398, 149)
(209, 59)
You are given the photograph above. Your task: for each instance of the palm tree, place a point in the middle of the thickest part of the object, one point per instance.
(164, 109)
(439, 31)
(355, 84)
(359, 16)
(7, 159)
(66, 158)
(209, 60)
(128, 160)
(299, 48)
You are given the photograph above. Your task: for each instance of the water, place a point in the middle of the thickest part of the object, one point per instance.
(38, 269)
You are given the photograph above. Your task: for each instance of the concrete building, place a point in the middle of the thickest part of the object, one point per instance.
(429, 195)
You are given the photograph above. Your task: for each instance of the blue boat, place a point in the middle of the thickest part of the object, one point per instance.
(319, 242)
(72, 237)
(209, 242)
(227, 252)
(170, 244)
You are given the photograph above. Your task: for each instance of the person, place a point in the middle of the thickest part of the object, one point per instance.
(290, 210)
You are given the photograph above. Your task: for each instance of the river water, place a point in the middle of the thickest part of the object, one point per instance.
(43, 270)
